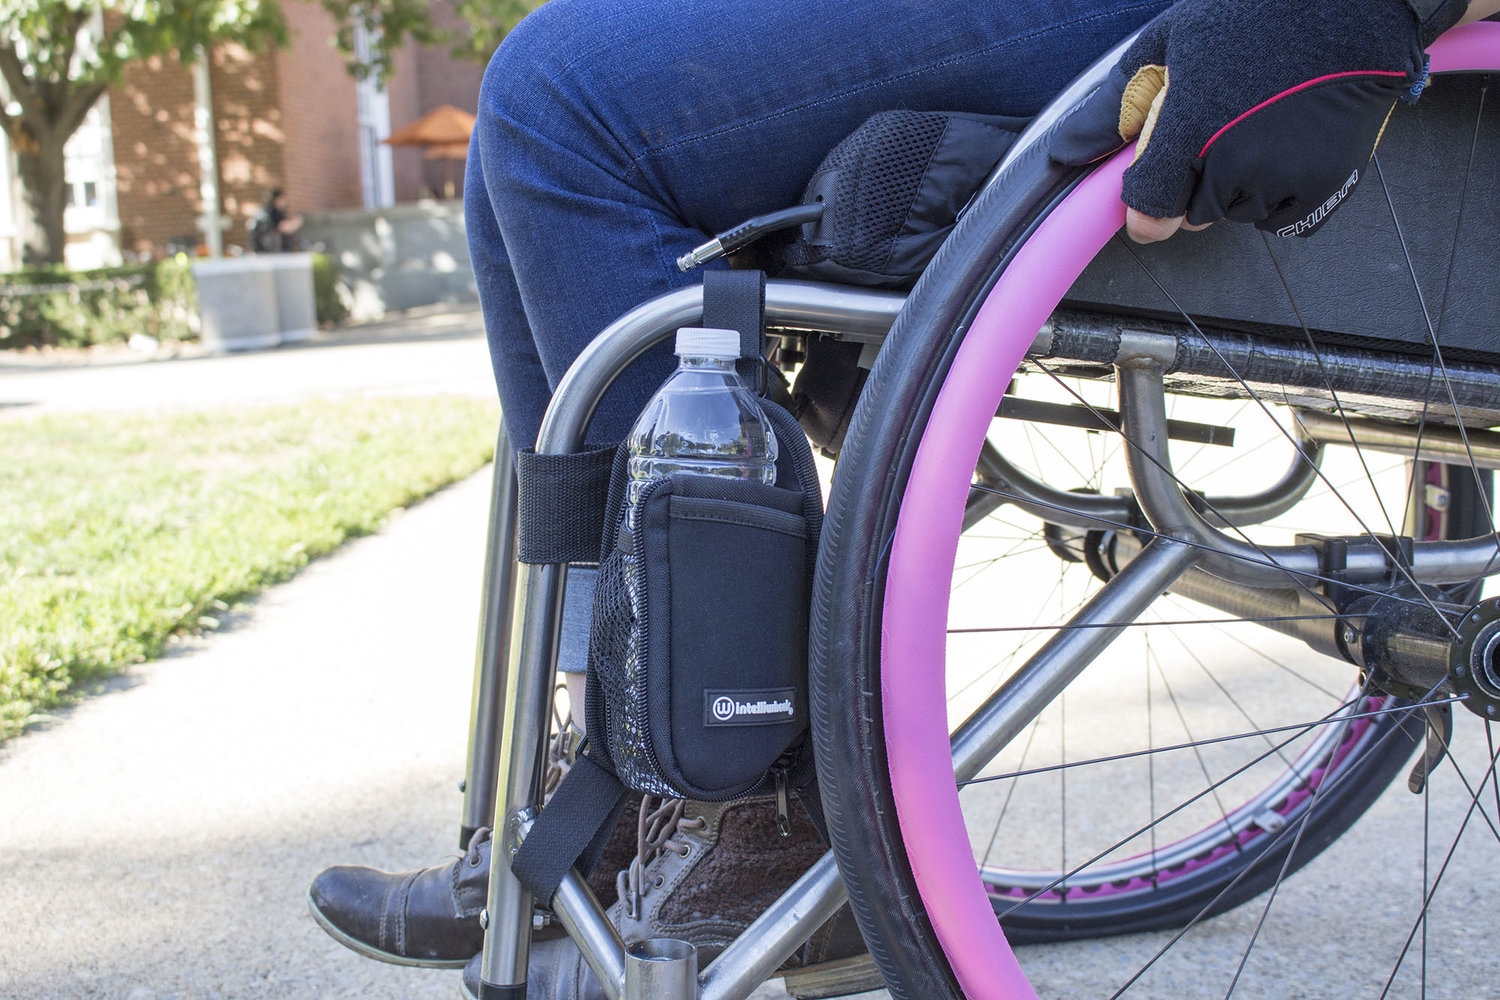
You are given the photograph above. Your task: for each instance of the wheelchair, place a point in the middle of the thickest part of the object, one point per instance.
(1146, 571)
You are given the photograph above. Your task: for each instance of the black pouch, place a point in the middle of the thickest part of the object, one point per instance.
(892, 191)
(697, 683)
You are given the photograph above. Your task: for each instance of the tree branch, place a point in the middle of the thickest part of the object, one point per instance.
(14, 73)
(73, 26)
(81, 97)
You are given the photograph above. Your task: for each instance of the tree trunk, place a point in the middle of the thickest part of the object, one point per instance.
(44, 198)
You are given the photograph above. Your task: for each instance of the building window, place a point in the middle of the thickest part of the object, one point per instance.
(89, 170)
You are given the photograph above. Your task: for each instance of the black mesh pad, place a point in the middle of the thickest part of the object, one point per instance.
(891, 192)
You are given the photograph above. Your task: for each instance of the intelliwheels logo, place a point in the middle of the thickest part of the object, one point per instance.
(760, 707)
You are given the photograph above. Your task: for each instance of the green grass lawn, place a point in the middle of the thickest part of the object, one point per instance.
(118, 532)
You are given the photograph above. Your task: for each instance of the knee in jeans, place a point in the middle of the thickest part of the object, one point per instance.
(547, 73)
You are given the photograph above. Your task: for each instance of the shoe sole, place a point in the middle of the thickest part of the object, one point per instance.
(839, 978)
(361, 948)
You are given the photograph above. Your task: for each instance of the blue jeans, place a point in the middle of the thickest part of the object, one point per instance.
(615, 135)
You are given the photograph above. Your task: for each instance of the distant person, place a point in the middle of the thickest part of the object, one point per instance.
(275, 229)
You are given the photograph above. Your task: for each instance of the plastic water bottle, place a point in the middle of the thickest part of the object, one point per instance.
(703, 420)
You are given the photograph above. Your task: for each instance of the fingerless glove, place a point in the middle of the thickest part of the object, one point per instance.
(1261, 111)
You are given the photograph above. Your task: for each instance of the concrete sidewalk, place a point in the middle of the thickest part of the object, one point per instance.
(427, 351)
(157, 840)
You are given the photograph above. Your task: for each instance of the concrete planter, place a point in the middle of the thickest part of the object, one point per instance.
(258, 301)
(237, 304)
(296, 302)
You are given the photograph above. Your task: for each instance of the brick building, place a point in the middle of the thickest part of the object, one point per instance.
(293, 118)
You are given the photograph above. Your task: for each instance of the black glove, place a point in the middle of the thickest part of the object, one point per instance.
(1262, 111)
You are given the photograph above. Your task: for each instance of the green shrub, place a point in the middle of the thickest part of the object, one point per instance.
(331, 307)
(52, 306)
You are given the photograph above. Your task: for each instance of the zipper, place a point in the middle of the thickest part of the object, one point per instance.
(783, 797)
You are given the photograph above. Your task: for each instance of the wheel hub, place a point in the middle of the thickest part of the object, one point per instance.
(1474, 666)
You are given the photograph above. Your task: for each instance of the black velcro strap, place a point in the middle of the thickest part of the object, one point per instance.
(736, 300)
(489, 991)
(577, 484)
(571, 830)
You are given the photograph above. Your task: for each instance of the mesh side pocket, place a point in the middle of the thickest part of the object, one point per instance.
(874, 173)
(617, 675)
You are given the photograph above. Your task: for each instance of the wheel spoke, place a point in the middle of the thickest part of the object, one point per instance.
(1431, 890)
(1255, 397)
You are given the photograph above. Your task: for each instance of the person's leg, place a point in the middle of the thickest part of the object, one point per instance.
(613, 137)
(519, 377)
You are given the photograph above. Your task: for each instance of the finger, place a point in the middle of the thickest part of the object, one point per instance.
(1160, 183)
(1193, 227)
(1147, 229)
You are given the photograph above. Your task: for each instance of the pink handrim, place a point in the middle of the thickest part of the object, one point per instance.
(916, 599)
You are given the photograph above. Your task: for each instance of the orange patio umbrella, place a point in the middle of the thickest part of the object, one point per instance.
(442, 132)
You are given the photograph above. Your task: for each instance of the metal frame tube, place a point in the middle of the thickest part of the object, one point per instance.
(1070, 649)
(597, 939)
(660, 967)
(1143, 410)
(775, 934)
(1428, 443)
(497, 595)
(1087, 511)
(768, 942)
(1144, 418)
(1290, 611)
(528, 695)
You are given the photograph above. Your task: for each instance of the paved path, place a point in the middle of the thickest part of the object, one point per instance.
(420, 353)
(157, 840)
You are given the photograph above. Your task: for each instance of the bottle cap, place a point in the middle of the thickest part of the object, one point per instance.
(701, 342)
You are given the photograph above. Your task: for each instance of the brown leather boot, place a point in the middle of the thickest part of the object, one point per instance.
(702, 872)
(430, 917)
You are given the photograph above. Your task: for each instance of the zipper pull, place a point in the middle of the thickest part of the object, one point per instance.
(783, 801)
